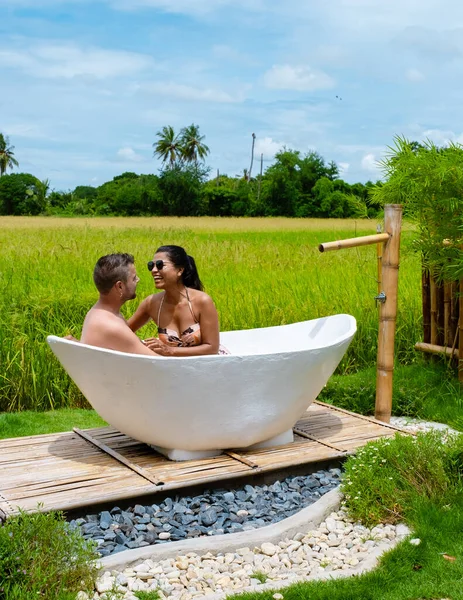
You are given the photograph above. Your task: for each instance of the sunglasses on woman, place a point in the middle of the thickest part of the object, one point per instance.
(159, 264)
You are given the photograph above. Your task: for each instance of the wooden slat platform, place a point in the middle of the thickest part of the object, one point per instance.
(65, 471)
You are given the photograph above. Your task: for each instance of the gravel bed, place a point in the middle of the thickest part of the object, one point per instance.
(213, 512)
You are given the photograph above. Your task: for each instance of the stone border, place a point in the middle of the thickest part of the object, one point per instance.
(304, 520)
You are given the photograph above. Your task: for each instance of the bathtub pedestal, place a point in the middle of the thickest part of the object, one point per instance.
(179, 455)
(287, 437)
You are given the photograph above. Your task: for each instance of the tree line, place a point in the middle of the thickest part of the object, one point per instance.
(295, 185)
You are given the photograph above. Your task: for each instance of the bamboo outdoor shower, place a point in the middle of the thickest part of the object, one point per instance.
(388, 251)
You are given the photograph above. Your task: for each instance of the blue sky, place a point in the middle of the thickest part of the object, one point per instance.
(86, 84)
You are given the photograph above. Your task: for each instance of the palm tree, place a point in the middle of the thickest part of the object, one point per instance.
(193, 147)
(7, 159)
(168, 146)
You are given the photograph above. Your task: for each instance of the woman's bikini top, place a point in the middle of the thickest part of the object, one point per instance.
(174, 338)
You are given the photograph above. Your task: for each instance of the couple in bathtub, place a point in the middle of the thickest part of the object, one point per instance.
(186, 317)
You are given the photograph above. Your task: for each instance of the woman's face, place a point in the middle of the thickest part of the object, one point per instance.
(165, 274)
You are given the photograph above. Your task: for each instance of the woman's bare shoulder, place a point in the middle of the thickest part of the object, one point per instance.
(200, 299)
(152, 302)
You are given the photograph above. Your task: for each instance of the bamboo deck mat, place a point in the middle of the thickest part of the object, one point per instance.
(65, 471)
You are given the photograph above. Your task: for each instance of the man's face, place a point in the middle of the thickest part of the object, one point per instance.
(131, 284)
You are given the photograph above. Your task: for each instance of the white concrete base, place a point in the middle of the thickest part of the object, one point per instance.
(180, 455)
(287, 437)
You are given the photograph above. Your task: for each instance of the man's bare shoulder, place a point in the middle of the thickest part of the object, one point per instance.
(99, 324)
(96, 315)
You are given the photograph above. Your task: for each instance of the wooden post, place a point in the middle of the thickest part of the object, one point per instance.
(388, 313)
(453, 310)
(460, 334)
(433, 290)
(440, 314)
(426, 304)
(447, 300)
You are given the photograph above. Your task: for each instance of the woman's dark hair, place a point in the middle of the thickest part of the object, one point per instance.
(180, 258)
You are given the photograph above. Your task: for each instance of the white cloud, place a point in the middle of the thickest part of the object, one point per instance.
(442, 137)
(67, 60)
(298, 78)
(343, 168)
(268, 147)
(128, 154)
(369, 163)
(414, 75)
(187, 92)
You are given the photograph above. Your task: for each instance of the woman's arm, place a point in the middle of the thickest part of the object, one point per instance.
(209, 324)
(141, 316)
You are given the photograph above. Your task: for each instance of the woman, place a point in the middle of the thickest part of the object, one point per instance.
(186, 317)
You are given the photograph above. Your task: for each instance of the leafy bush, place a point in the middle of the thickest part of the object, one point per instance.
(42, 557)
(386, 477)
(428, 181)
(21, 194)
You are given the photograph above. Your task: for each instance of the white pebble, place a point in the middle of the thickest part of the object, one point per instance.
(268, 548)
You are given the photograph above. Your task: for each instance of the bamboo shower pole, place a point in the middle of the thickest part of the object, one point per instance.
(379, 260)
(388, 313)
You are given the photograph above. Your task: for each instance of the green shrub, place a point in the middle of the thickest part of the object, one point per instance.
(385, 478)
(42, 557)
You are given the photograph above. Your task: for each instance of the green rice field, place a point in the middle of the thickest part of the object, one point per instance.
(260, 272)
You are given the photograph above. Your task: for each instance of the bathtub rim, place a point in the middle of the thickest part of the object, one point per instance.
(52, 339)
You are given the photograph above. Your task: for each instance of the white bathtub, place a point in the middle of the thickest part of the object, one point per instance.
(194, 407)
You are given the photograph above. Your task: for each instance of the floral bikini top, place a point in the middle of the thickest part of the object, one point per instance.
(190, 337)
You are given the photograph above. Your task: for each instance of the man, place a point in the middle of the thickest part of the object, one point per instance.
(116, 280)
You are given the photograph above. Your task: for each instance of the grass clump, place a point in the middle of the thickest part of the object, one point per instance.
(151, 595)
(385, 479)
(42, 557)
(260, 576)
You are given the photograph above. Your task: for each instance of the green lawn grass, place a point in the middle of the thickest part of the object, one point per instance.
(29, 422)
